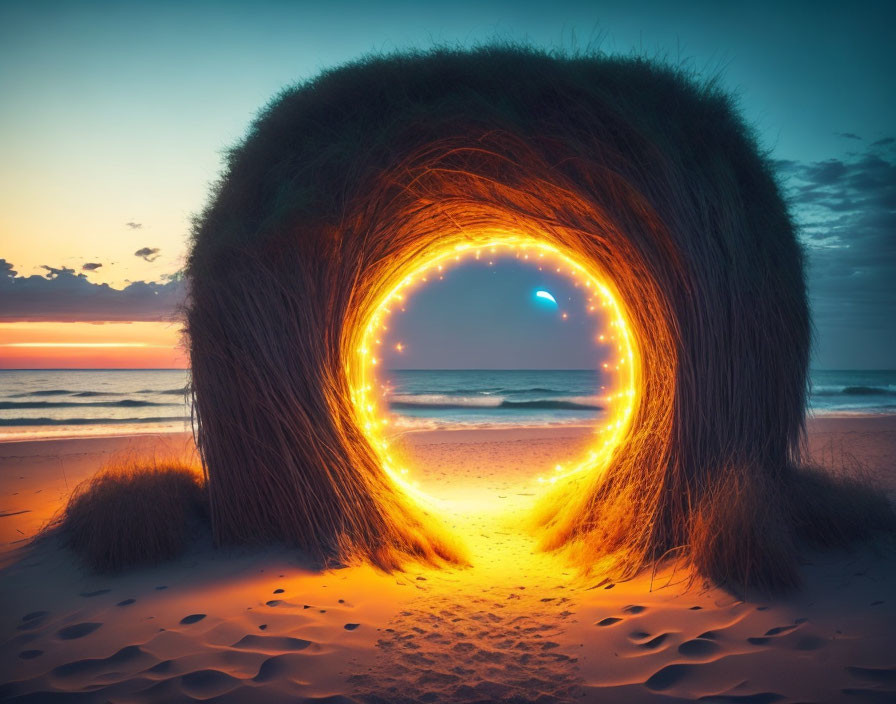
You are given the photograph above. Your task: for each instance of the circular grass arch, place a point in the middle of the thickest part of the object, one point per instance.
(345, 182)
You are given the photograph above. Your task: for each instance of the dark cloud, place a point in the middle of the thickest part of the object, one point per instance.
(134, 225)
(53, 273)
(848, 135)
(150, 254)
(64, 295)
(90, 266)
(883, 142)
(846, 209)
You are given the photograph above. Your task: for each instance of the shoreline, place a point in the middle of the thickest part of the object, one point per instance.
(91, 436)
(39, 473)
(444, 428)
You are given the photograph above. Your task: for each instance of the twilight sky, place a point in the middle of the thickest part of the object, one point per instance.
(115, 116)
(485, 315)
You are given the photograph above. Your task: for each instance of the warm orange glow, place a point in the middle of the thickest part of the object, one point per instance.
(622, 397)
(78, 345)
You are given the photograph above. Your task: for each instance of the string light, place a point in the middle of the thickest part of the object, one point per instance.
(360, 370)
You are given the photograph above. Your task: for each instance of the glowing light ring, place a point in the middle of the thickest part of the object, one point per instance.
(624, 398)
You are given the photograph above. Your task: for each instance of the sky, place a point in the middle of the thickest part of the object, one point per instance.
(115, 118)
(486, 314)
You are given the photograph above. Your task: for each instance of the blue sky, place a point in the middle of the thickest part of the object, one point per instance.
(483, 316)
(116, 113)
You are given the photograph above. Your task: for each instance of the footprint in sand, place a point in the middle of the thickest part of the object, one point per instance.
(771, 633)
(129, 656)
(33, 620)
(98, 592)
(126, 602)
(654, 643)
(634, 609)
(667, 677)
(271, 644)
(278, 591)
(78, 630)
(698, 648)
(166, 667)
(30, 654)
(351, 626)
(609, 621)
(208, 684)
(192, 618)
(283, 666)
(883, 675)
(778, 630)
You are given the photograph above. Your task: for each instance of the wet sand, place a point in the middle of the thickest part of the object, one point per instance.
(520, 625)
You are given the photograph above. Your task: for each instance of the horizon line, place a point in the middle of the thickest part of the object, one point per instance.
(405, 369)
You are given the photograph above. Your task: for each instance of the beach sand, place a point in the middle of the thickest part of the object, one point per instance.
(257, 625)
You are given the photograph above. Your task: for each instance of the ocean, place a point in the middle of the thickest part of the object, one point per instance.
(65, 402)
(62, 403)
(482, 397)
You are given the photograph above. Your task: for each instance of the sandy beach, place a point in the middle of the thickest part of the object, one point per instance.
(257, 625)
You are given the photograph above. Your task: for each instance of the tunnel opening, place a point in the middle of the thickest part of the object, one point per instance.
(495, 369)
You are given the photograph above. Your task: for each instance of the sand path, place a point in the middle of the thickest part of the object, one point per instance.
(520, 625)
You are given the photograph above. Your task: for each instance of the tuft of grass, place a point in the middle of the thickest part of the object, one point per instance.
(740, 535)
(834, 509)
(134, 513)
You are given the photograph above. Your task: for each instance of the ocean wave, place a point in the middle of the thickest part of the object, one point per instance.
(827, 390)
(19, 422)
(125, 403)
(445, 402)
(90, 394)
(854, 410)
(553, 404)
(409, 423)
(67, 392)
(506, 390)
(44, 392)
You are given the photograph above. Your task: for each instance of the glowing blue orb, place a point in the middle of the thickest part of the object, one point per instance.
(546, 296)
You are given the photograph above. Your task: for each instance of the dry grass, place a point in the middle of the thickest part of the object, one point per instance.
(342, 184)
(134, 513)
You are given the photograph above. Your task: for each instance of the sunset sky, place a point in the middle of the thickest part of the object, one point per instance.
(115, 118)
